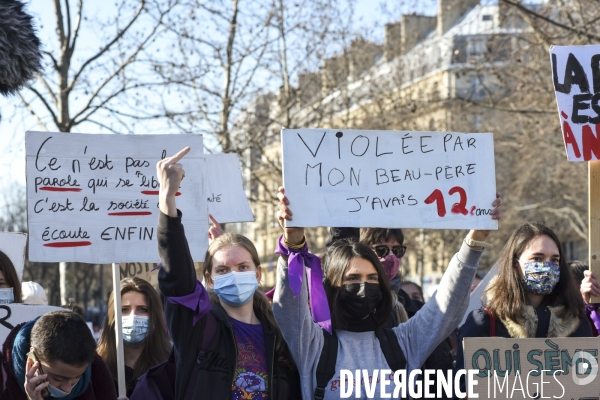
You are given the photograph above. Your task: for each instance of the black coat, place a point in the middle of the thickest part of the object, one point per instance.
(216, 372)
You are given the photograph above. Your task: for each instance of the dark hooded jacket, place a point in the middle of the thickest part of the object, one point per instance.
(177, 278)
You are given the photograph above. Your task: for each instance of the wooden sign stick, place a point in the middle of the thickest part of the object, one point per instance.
(119, 329)
(594, 220)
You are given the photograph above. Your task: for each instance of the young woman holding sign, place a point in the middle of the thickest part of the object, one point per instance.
(533, 296)
(145, 338)
(231, 349)
(358, 294)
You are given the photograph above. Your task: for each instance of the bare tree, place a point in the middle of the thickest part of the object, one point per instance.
(109, 86)
(84, 87)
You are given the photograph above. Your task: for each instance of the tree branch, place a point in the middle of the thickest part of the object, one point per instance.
(551, 21)
(106, 47)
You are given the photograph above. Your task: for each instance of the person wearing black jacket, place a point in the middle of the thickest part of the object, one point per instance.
(533, 296)
(247, 355)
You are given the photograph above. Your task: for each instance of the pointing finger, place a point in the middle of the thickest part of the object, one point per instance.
(213, 221)
(180, 155)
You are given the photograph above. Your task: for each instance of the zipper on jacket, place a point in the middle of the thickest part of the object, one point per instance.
(236, 356)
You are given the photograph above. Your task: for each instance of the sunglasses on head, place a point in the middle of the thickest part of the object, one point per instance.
(383, 250)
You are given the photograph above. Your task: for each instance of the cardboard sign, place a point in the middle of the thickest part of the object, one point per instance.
(389, 179)
(227, 201)
(569, 365)
(576, 74)
(12, 315)
(94, 198)
(143, 271)
(13, 245)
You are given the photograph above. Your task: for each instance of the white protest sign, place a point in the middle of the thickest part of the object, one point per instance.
(14, 314)
(389, 179)
(94, 198)
(576, 73)
(13, 245)
(227, 201)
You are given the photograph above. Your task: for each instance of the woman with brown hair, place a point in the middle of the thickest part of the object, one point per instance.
(9, 280)
(352, 306)
(145, 338)
(534, 294)
(230, 348)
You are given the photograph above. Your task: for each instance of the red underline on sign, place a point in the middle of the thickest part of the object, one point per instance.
(59, 189)
(67, 244)
(155, 192)
(130, 213)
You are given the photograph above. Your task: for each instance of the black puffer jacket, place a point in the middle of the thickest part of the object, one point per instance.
(216, 372)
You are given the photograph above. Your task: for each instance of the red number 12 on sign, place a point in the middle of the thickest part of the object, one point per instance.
(458, 208)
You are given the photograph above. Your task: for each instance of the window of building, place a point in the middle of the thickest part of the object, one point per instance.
(486, 17)
(475, 49)
(477, 89)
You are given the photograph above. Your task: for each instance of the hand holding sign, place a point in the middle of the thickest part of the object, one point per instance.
(481, 235)
(170, 174)
(291, 235)
(589, 286)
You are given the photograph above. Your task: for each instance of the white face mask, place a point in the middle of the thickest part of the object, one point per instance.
(135, 329)
(7, 296)
(56, 392)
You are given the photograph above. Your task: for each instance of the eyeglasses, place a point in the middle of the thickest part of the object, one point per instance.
(382, 250)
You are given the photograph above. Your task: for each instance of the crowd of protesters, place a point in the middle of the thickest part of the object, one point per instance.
(224, 339)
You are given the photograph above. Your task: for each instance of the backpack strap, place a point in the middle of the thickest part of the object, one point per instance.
(326, 366)
(209, 333)
(492, 321)
(391, 348)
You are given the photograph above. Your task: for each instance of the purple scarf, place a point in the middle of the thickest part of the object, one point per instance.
(297, 260)
(197, 301)
(591, 310)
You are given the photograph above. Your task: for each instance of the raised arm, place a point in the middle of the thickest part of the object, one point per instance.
(303, 336)
(177, 276)
(449, 304)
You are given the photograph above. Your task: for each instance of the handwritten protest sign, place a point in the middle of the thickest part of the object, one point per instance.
(227, 201)
(12, 315)
(13, 245)
(561, 368)
(94, 198)
(576, 73)
(389, 179)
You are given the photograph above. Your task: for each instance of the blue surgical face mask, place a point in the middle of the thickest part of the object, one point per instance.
(236, 288)
(57, 393)
(7, 296)
(135, 329)
(540, 277)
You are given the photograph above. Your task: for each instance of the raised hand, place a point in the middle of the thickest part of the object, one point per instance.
(34, 384)
(589, 287)
(291, 235)
(481, 235)
(215, 229)
(170, 174)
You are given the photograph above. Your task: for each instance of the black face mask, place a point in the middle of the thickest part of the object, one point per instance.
(360, 299)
